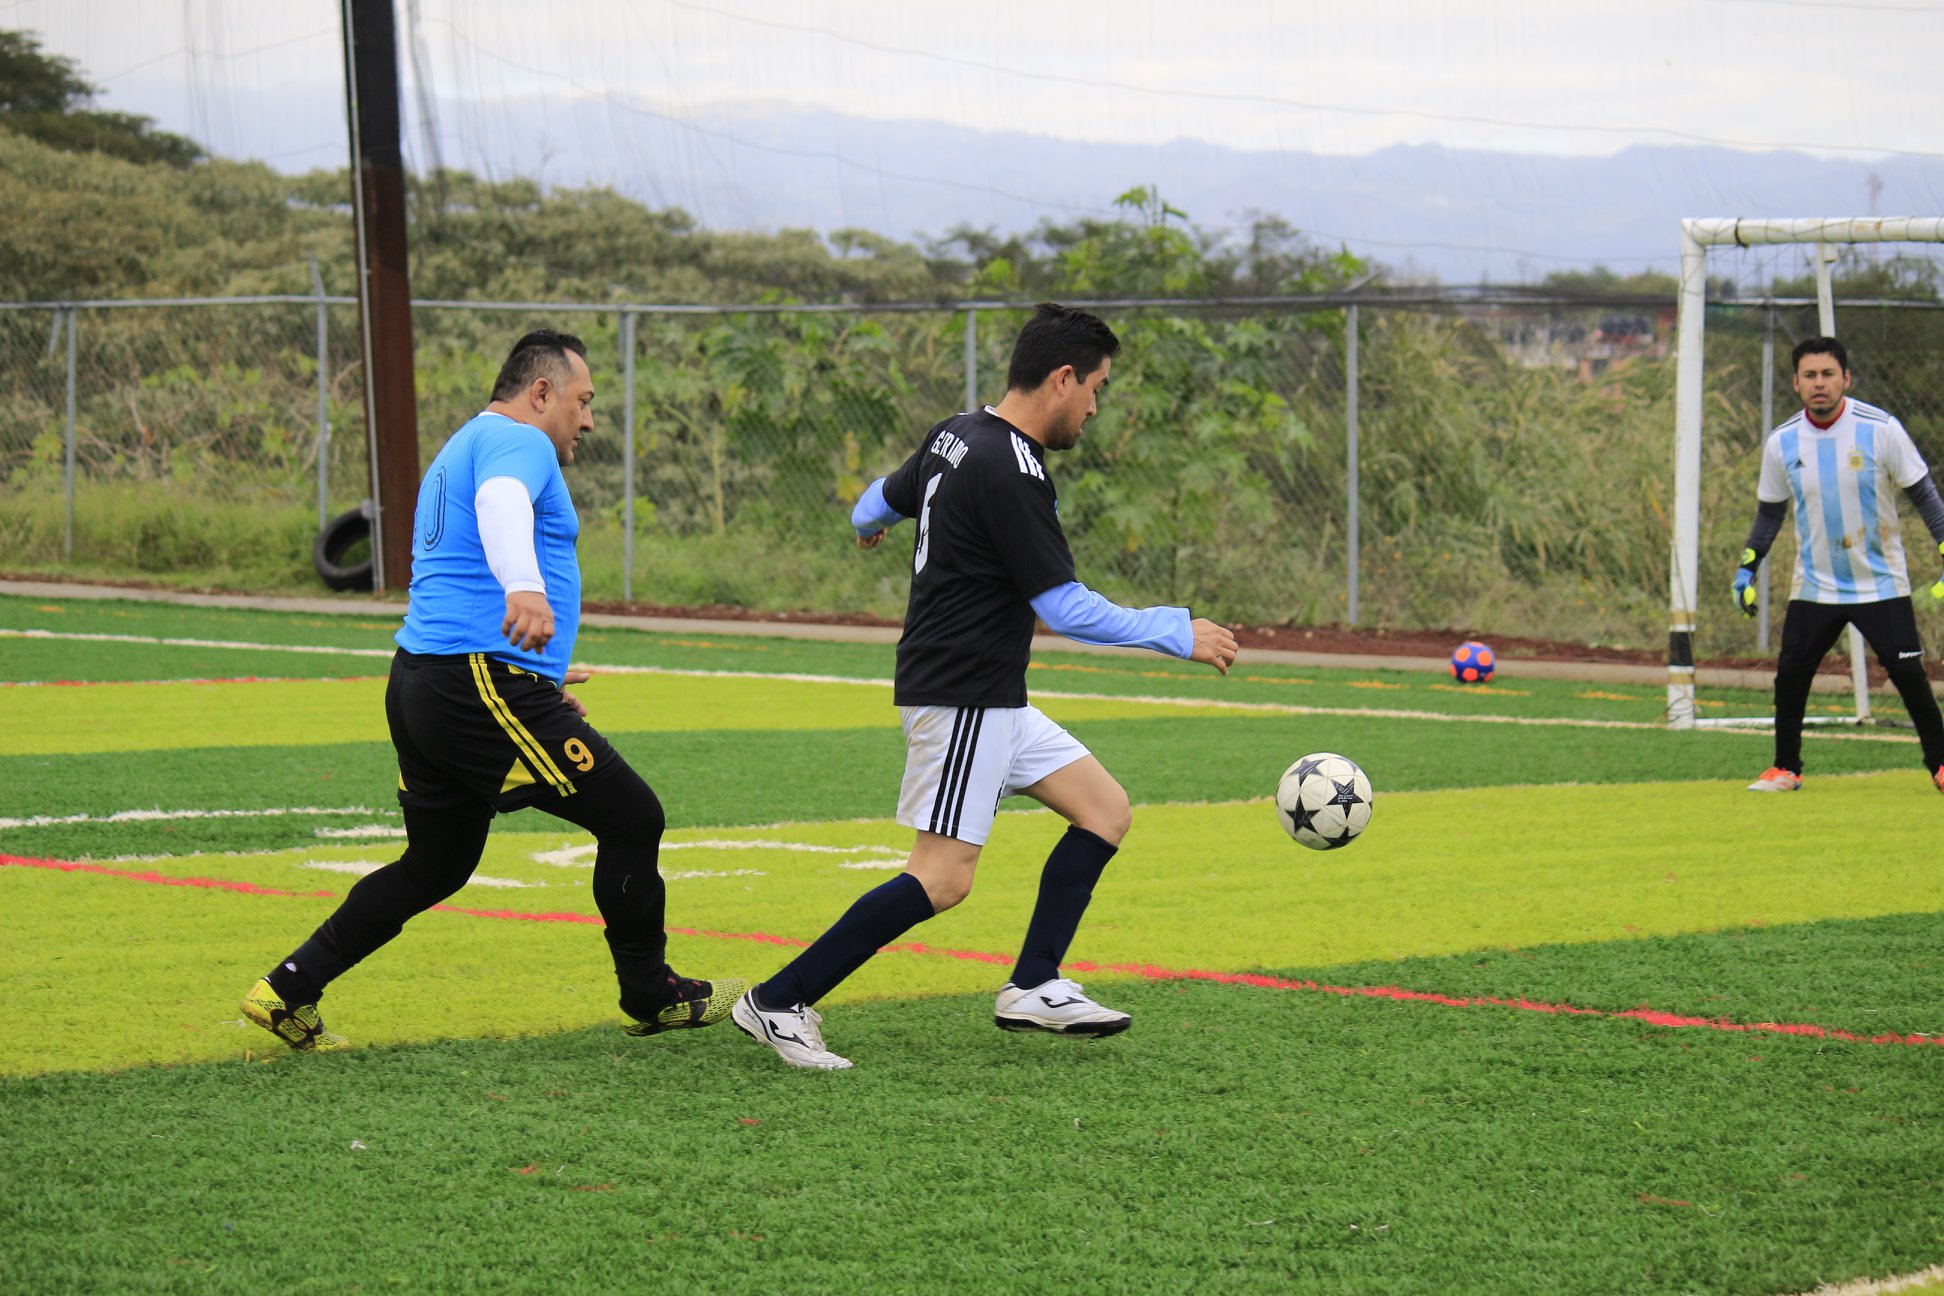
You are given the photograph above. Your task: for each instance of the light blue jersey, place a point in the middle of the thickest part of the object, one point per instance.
(1844, 480)
(457, 604)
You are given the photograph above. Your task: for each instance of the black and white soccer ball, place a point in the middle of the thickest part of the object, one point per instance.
(1324, 801)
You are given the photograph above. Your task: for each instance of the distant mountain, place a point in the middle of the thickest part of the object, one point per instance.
(1463, 216)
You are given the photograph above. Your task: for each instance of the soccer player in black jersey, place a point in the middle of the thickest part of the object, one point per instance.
(990, 557)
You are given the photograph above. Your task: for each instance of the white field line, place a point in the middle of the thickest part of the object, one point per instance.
(146, 816)
(363, 867)
(1219, 704)
(1881, 1286)
(583, 856)
(78, 636)
(570, 857)
(164, 859)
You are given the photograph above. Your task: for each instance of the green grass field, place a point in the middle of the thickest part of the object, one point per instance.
(1577, 1014)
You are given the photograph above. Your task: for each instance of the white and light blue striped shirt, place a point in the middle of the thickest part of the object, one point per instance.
(1844, 480)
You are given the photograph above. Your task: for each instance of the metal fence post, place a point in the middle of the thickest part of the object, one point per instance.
(627, 454)
(1768, 422)
(323, 401)
(971, 359)
(67, 544)
(1350, 426)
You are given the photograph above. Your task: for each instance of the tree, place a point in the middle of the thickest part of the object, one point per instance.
(45, 98)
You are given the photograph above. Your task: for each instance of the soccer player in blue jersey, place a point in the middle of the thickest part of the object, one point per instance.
(1842, 463)
(990, 556)
(480, 717)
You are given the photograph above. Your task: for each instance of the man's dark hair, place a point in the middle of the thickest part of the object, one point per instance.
(540, 354)
(1058, 335)
(1818, 346)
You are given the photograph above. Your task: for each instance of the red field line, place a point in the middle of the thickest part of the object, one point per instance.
(156, 879)
(229, 679)
(1148, 971)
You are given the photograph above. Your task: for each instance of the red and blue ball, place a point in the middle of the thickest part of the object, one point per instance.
(1472, 662)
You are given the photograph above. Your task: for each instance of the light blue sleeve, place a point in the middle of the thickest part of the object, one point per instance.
(872, 514)
(518, 451)
(1080, 614)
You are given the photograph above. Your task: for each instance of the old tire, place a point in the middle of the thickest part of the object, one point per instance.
(339, 536)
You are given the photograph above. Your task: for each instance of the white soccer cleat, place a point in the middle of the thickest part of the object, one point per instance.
(1777, 780)
(793, 1034)
(1058, 1006)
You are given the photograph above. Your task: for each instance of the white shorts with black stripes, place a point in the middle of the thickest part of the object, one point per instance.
(959, 762)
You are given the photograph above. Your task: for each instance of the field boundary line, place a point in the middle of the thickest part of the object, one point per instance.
(1591, 672)
(1145, 971)
(150, 816)
(97, 636)
(798, 677)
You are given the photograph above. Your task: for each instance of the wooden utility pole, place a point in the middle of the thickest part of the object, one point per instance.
(384, 283)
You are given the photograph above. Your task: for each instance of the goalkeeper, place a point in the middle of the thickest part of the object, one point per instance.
(1838, 460)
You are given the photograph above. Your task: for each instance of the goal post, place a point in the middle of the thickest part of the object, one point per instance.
(1697, 236)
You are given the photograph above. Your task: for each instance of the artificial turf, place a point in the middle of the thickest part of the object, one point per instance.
(1196, 888)
(1237, 1139)
(1415, 1065)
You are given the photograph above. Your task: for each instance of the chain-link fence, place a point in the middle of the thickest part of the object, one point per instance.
(1404, 460)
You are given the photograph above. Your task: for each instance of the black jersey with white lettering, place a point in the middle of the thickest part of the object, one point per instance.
(989, 541)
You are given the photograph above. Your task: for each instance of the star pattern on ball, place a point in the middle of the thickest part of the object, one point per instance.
(1346, 794)
(1305, 819)
(1306, 767)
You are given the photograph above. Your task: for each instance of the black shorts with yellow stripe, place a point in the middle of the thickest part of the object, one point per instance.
(470, 728)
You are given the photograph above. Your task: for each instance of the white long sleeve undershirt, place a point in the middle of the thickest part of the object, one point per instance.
(505, 512)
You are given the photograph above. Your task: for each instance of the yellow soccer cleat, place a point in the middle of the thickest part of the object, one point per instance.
(300, 1027)
(697, 1003)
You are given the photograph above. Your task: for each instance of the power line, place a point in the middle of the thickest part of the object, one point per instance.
(1277, 101)
(1838, 4)
(610, 100)
(180, 50)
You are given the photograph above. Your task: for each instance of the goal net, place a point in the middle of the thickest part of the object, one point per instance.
(1687, 594)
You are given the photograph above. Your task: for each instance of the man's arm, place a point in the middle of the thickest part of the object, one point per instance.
(1924, 496)
(505, 513)
(1930, 507)
(1761, 537)
(872, 517)
(1087, 617)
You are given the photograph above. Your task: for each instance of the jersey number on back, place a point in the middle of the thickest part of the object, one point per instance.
(435, 526)
(923, 551)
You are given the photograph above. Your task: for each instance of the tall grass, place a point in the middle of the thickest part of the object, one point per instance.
(1493, 496)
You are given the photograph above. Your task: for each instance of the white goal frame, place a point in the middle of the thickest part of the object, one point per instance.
(1697, 236)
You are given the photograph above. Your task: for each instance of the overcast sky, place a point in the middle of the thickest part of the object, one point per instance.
(1859, 80)
(742, 112)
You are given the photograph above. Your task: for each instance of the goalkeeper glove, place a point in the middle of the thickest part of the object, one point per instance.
(1745, 595)
(1937, 590)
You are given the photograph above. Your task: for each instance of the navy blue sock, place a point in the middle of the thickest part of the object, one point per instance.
(877, 918)
(1066, 885)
